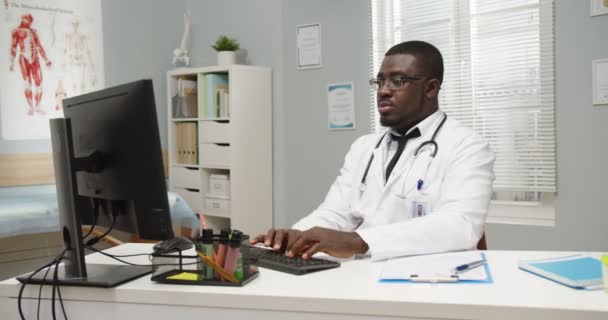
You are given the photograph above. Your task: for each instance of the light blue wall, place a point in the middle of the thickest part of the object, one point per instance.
(306, 155)
(140, 35)
(257, 26)
(312, 154)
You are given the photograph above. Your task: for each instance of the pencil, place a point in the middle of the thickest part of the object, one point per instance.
(217, 268)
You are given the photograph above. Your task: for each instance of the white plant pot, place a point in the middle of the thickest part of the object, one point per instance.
(226, 58)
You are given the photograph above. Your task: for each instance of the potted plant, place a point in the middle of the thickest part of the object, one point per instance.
(226, 47)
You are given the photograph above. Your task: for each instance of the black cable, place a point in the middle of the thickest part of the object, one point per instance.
(121, 255)
(140, 265)
(96, 207)
(96, 239)
(58, 290)
(55, 276)
(40, 293)
(56, 287)
(65, 316)
(29, 278)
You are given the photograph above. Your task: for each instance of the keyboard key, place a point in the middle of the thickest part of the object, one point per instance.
(278, 261)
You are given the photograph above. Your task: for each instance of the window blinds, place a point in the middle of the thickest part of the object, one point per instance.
(499, 77)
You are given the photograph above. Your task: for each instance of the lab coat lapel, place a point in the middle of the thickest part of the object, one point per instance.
(376, 169)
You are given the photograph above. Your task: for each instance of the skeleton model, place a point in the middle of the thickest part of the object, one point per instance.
(25, 39)
(180, 55)
(60, 94)
(78, 59)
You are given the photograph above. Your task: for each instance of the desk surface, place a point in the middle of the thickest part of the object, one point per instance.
(353, 289)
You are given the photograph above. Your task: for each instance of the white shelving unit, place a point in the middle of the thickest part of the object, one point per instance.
(239, 145)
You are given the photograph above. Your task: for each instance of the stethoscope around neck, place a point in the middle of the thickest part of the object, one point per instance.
(429, 144)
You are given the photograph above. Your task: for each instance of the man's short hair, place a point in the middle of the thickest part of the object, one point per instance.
(428, 57)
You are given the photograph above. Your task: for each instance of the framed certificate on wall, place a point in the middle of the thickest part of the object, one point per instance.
(599, 7)
(309, 46)
(600, 81)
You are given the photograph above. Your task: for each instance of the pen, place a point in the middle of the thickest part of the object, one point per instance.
(468, 266)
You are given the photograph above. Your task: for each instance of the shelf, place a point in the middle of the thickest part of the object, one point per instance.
(214, 167)
(184, 119)
(219, 215)
(215, 119)
(235, 142)
(185, 165)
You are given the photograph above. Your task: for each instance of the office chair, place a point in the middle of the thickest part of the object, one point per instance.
(481, 245)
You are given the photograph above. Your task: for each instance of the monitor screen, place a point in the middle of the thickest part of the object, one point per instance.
(120, 125)
(108, 161)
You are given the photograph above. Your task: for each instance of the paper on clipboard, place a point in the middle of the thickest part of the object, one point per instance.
(435, 266)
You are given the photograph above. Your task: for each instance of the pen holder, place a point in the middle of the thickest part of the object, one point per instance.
(218, 260)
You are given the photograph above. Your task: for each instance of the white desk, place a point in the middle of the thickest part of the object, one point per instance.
(349, 292)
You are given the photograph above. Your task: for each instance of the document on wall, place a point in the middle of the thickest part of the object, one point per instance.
(600, 81)
(341, 106)
(309, 46)
(437, 268)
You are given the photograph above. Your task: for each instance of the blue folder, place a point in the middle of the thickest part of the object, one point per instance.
(575, 271)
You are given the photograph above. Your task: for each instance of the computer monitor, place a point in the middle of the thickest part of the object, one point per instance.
(106, 152)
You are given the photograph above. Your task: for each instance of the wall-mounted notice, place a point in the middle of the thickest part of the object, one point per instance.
(309, 46)
(51, 50)
(599, 7)
(600, 81)
(341, 106)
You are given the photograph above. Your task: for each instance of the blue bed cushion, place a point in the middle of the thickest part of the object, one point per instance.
(33, 209)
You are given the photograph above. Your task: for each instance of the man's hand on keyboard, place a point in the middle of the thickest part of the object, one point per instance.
(306, 243)
(277, 239)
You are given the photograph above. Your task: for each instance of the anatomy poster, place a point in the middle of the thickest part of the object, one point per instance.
(52, 49)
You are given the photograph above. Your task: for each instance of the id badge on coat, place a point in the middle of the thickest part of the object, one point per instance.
(419, 205)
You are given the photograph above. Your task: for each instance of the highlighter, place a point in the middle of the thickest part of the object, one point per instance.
(234, 260)
(222, 247)
(207, 248)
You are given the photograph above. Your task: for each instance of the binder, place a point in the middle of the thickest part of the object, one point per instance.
(437, 268)
(212, 82)
(576, 271)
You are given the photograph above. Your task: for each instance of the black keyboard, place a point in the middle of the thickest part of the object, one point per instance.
(278, 261)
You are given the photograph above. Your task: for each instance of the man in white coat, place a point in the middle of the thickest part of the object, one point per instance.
(422, 187)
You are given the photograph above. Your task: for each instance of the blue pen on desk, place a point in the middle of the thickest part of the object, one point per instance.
(468, 266)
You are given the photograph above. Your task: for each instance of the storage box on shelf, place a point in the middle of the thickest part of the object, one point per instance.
(220, 159)
(219, 184)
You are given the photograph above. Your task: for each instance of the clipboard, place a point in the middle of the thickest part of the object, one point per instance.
(436, 268)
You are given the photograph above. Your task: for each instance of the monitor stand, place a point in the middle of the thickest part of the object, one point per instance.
(98, 275)
(74, 271)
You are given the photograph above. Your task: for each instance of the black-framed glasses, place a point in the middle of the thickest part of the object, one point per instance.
(394, 82)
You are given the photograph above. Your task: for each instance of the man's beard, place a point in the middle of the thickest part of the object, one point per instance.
(387, 122)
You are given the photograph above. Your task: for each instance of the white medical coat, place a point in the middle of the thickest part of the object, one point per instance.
(457, 187)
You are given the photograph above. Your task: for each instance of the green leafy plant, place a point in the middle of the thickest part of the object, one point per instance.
(225, 43)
